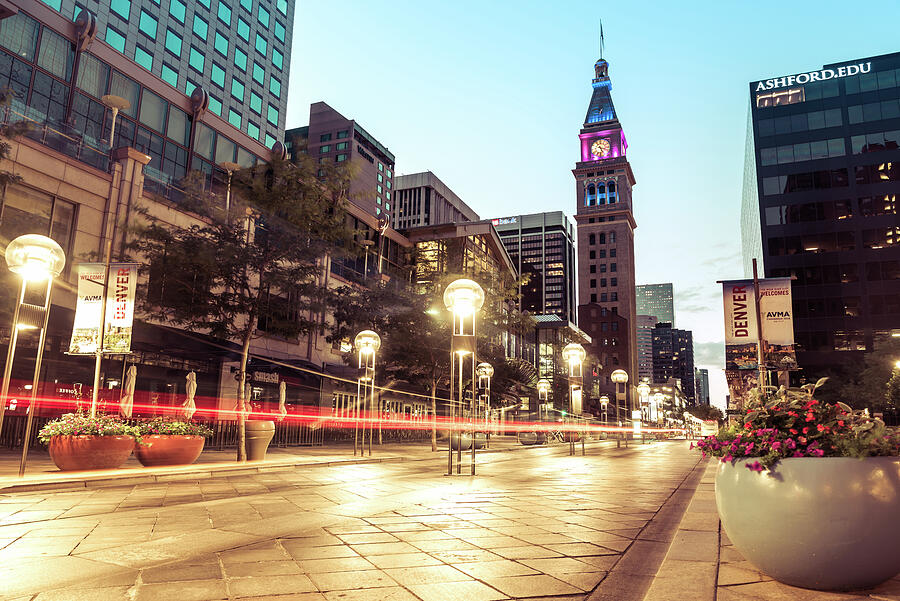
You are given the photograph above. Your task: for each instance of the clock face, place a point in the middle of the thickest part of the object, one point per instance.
(600, 148)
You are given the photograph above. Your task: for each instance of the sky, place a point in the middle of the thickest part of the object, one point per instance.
(490, 96)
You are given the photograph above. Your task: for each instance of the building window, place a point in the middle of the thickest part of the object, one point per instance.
(612, 253)
(612, 237)
(121, 8)
(593, 298)
(143, 58)
(342, 145)
(325, 148)
(218, 75)
(115, 39)
(215, 105)
(173, 43)
(221, 44)
(237, 89)
(243, 29)
(593, 283)
(592, 254)
(259, 74)
(612, 266)
(27, 211)
(282, 6)
(380, 178)
(272, 115)
(593, 269)
(613, 297)
(234, 118)
(613, 281)
(604, 297)
(341, 158)
(203, 2)
(253, 130)
(176, 9)
(344, 133)
(270, 141)
(255, 103)
(279, 31)
(592, 239)
(603, 282)
(275, 86)
(261, 45)
(224, 13)
(240, 59)
(247, 5)
(169, 75)
(197, 61)
(603, 268)
(263, 17)
(201, 27)
(277, 58)
(148, 25)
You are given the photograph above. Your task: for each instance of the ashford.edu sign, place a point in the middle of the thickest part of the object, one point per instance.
(821, 75)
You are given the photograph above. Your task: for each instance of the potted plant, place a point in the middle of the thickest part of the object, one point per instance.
(168, 442)
(78, 441)
(809, 492)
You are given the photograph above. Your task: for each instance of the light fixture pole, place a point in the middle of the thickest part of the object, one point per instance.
(366, 244)
(115, 104)
(229, 168)
(604, 405)
(643, 390)
(485, 372)
(35, 258)
(367, 344)
(573, 354)
(620, 377)
(543, 387)
(463, 298)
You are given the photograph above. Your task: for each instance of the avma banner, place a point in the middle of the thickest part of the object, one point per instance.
(119, 308)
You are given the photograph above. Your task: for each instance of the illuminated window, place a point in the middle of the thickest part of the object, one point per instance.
(781, 97)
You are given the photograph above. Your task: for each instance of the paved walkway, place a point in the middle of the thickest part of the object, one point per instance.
(532, 524)
(702, 564)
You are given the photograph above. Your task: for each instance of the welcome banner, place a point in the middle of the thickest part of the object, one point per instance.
(119, 320)
(741, 331)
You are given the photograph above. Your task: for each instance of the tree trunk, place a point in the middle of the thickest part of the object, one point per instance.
(242, 400)
(433, 415)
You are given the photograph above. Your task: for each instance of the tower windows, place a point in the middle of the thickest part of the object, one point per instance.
(592, 239)
(601, 194)
(602, 238)
(612, 237)
(590, 198)
(611, 190)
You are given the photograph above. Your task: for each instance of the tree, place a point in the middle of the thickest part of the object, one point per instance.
(257, 271)
(706, 412)
(862, 381)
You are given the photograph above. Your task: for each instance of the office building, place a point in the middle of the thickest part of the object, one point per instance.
(423, 199)
(238, 51)
(701, 385)
(645, 325)
(609, 344)
(542, 245)
(673, 357)
(605, 221)
(333, 139)
(822, 177)
(656, 300)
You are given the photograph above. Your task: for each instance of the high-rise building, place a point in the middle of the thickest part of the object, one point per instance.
(605, 222)
(542, 245)
(332, 138)
(656, 300)
(238, 51)
(673, 357)
(701, 385)
(645, 325)
(423, 199)
(822, 177)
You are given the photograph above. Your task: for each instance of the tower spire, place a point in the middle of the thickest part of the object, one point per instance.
(601, 38)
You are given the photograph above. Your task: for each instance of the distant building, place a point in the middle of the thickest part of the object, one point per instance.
(656, 300)
(332, 138)
(423, 199)
(701, 384)
(609, 344)
(553, 332)
(645, 325)
(673, 357)
(542, 245)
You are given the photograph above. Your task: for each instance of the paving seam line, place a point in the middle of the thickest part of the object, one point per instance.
(630, 578)
(690, 568)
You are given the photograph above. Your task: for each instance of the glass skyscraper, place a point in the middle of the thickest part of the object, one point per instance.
(822, 178)
(656, 300)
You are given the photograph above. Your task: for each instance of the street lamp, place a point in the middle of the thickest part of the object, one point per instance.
(604, 404)
(115, 104)
(485, 372)
(366, 244)
(543, 387)
(463, 298)
(643, 390)
(620, 376)
(573, 354)
(367, 344)
(36, 259)
(229, 168)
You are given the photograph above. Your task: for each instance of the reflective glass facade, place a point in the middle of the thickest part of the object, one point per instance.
(822, 177)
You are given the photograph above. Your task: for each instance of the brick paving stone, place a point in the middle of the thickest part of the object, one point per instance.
(299, 549)
(393, 593)
(352, 580)
(488, 569)
(338, 564)
(531, 586)
(449, 544)
(559, 565)
(372, 537)
(580, 549)
(383, 548)
(456, 591)
(465, 555)
(262, 568)
(526, 552)
(403, 560)
(426, 575)
(256, 586)
(174, 573)
(114, 593)
(195, 590)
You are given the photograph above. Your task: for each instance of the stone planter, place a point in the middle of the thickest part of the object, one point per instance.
(71, 453)
(158, 449)
(830, 523)
(259, 435)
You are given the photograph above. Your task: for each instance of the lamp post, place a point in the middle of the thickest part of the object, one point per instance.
(620, 376)
(463, 298)
(366, 244)
(573, 354)
(543, 387)
(36, 259)
(484, 371)
(115, 104)
(604, 405)
(229, 168)
(643, 390)
(367, 344)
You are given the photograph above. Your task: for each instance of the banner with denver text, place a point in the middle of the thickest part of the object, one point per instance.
(120, 295)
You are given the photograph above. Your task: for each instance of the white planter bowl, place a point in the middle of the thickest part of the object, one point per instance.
(829, 523)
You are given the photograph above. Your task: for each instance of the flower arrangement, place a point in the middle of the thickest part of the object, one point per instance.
(80, 424)
(168, 427)
(784, 423)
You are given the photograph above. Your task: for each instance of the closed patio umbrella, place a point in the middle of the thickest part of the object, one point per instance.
(189, 407)
(282, 396)
(126, 403)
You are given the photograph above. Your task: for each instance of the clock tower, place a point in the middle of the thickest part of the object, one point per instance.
(605, 231)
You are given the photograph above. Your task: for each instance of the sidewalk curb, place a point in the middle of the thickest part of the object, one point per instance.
(202, 471)
(691, 565)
